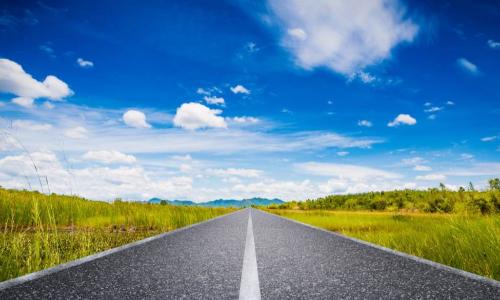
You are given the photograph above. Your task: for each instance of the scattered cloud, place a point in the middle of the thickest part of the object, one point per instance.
(365, 123)
(431, 177)
(353, 172)
(343, 36)
(251, 47)
(489, 138)
(427, 104)
(214, 100)
(450, 103)
(109, 157)
(432, 117)
(78, 132)
(422, 168)
(14, 80)
(48, 50)
(467, 66)
(31, 125)
(239, 89)
(244, 120)
(493, 44)
(136, 119)
(192, 116)
(24, 102)
(84, 63)
(230, 172)
(402, 119)
(433, 109)
(342, 153)
(466, 156)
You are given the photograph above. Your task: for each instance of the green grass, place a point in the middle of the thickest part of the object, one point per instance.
(39, 231)
(467, 242)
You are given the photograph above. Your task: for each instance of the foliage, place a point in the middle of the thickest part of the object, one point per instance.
(38, 231)
(432, 201)
(464, 241)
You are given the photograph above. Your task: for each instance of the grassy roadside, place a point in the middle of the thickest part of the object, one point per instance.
(39, 231)
(467, 242)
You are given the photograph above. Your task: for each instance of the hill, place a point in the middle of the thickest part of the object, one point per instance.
(222, 202)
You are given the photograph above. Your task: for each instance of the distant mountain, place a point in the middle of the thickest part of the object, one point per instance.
(221, 202)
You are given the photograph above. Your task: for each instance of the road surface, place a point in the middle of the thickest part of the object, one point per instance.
(250, 254)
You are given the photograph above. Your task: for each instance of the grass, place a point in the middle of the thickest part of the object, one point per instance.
(467, 242)
(39, 231)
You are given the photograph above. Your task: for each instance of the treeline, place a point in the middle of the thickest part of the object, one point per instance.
(432, 200)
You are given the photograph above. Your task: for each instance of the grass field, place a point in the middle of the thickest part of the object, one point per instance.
(468, 242)
(39, 231)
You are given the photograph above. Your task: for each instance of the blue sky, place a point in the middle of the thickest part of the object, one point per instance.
(233, 99)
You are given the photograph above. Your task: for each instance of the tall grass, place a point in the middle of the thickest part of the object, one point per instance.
(467, 242)
(39, 231)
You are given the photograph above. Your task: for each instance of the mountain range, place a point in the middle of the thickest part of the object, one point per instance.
(221, 202)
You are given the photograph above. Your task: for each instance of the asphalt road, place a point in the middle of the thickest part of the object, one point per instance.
(263, 256)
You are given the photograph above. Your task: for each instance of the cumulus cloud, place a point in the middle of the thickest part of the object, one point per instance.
(239, 89)
(136, 119)
(78, 132)
(14, 80)
(467, 66)
(365, 123)
(194, 116)
(343, 36)
(23, 101)
(214, 100)
(449, 102)
(109, 157)
(402, 119)
(84, 63)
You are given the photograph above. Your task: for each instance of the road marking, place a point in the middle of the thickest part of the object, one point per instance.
(249, 287)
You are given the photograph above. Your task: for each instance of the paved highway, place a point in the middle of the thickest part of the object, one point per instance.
(250, 254)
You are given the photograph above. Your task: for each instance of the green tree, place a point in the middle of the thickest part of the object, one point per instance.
(494, 184)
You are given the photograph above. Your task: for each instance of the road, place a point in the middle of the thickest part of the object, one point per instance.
(250, 254)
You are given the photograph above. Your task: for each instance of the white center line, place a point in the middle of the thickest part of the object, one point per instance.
(249, 287)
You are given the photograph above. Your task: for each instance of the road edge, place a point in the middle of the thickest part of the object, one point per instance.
(73, 263)
(431, 263)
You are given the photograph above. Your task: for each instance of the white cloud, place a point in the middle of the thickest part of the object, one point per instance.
(433, 109)
(193, 116)
(30, 125)
(467, 66)
(489, 138)
(412, 161)
(14, 80)
(136, 119)
(365, 77)
(78, 132)
(427, 104)
(297, 33)
(202, 91)
(342, 35)
(245, 120)
(84, 63)
(351, 172)
(431, 177)
(48, 105)
(109, 157)
(451, 103)
(238, 172)
(402, 119)
(239, 89)
(493, 44)
(214, 100)
(23, 101)
(422, 168)
(342, 153)
(466, 156)
(365, 123)
(431, 117)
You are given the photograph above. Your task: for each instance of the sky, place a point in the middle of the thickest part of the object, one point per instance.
(201, 100)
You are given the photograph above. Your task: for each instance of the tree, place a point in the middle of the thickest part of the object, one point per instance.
(163, 202)
(494, 184)
(471, 187)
